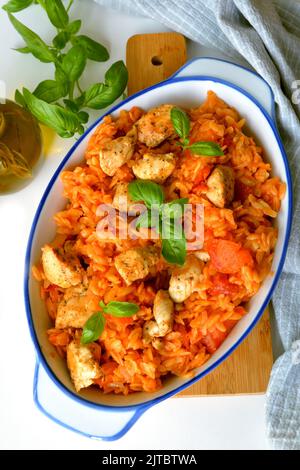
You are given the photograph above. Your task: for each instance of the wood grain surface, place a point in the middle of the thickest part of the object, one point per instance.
(150, 59)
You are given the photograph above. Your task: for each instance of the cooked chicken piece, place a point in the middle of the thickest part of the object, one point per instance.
(137, 263)
(154, 167)
(64, 272)
(221, 186)
(150, 331)
(184, 279)
(82, 366)
(163, 311)
(158, 343)
(75, 308)
(121, 200)
(117, 152)
(202, 255)
(155, 126)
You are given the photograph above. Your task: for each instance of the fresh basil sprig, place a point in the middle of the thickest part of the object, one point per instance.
(147, 191)
(35, 44)
(94, 326)
(94, 50)
(120, 309)
(13, 6)
(64, 122)
(57, 13)
(210, 149)
(50, 90)
(164, 217)
(181, 124)
(73, 63)
(22, 50)
(74, 27)
(63, 90)
(100, 95)
(173, 243)
(60, 40)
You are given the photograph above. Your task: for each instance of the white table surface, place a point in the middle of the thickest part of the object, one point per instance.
(234, 422)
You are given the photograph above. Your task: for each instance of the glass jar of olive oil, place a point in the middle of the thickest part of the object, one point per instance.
(20, 146)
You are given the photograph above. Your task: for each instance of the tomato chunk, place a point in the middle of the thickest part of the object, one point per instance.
(213, 340)
(228, 257)
(202, 174)
(221, 285)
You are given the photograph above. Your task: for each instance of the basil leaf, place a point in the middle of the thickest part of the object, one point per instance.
(60, 75)
(93, 96)
(63, 121)
(116, 74)
(93, 328)
(101, 95)
(83, 117)
(71, 105)
(181, 122)
(174, 251)
(61, 40)
(57, 13)
(23, 50)
(173, 243)
(121, 309)
(210, 149)
(50, 91)
(94, 50)
(174, 209)
(20, 99)
(73, 64)
(80, 129)
(34, 43)
(17, 5)
(147, 191)
(80, 100)
(74, 26)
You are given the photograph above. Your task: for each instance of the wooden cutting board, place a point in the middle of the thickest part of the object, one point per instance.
(152, 58)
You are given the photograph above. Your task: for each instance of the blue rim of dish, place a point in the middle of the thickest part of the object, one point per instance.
(151, 402)
(136, 415)
(197, 59)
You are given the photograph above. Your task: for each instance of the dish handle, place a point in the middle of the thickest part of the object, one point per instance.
(236, 74)
(90, 421)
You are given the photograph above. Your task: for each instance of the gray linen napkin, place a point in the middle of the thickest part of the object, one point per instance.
(267, 35)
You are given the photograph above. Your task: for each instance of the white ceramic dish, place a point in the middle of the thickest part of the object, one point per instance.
(107, 416)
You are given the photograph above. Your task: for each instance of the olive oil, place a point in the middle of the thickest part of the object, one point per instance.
(20, 146)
